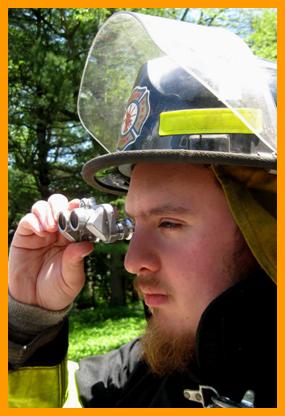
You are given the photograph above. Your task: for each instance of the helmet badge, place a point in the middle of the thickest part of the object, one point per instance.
(137, 112)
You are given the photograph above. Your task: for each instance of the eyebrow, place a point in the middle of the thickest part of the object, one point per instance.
(164, 210)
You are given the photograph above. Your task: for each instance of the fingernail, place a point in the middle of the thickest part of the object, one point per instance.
(87, 254)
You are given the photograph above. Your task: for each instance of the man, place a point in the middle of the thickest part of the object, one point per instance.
(201, 193)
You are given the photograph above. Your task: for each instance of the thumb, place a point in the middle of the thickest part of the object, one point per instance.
(73, 265)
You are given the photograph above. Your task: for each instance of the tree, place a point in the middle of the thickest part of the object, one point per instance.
(263, 40)
(46, 52)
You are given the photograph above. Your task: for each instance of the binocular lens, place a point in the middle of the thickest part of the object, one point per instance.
(62, 223)
(74, 220)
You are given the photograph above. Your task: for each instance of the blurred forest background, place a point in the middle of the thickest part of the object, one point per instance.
(48, 145)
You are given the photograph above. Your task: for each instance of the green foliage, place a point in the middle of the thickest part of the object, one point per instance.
(44, 74)
(99, 330)
(20, 196)
(263, 40)
(258, 27)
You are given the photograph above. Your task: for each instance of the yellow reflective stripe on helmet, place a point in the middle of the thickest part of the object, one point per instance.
(209, 121)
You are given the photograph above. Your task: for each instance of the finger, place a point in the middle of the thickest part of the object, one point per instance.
(76, 252)
(73, 265)
(30, 234)
(58, 203)
(29, 225)
(74, 203)
(43, 211)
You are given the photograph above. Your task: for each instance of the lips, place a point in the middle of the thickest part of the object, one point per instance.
(155, 299)
(151, 290)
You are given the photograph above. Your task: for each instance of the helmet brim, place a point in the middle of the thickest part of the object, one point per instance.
(105, 172)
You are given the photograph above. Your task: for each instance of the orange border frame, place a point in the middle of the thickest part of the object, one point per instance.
(3, 206)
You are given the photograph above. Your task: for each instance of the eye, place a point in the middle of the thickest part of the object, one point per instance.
(171, 225)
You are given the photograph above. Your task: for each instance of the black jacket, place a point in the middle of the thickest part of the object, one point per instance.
(235, 352)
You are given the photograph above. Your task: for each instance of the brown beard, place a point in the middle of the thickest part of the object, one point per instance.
(165, 352)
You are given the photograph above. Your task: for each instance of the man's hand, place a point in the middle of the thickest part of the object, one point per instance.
(45, 269)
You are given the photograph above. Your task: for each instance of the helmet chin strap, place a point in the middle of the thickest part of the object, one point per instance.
(210, 398)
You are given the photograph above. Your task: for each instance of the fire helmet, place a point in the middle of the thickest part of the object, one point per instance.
(156, 89)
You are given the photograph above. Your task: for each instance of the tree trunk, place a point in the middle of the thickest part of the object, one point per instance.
(118, 296)
(43, 167)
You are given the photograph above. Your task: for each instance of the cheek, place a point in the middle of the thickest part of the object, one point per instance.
(195, 250)
(198, 264)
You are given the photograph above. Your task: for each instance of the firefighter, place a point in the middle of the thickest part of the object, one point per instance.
(187, 117)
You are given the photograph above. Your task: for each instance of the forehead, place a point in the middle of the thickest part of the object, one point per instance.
(170, 185)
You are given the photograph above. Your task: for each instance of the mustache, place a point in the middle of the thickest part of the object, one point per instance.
(149, 284)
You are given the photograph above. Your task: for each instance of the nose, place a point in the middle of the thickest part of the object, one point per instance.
(142, 256)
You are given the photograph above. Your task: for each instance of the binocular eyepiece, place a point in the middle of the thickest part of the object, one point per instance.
(94, 223)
